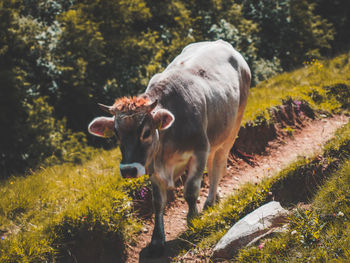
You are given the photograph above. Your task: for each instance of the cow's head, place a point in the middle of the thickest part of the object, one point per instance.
(136, 123)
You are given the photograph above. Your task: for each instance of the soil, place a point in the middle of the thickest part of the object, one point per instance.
(307, 139)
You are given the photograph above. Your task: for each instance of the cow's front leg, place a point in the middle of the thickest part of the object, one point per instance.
(159, 195)
(193, 183)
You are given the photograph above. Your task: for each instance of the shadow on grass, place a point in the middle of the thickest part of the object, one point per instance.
(172, 249)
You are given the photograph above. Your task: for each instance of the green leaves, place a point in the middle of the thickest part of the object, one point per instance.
(78, 53)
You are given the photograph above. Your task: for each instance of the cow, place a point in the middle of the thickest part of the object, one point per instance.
(186, 120)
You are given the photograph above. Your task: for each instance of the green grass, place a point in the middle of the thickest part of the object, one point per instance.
(324, 85)
(41, 213)
(50, 213)
(301, 175)
(320, 234)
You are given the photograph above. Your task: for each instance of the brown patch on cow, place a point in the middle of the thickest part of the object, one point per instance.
(202, 73)
(125, 104)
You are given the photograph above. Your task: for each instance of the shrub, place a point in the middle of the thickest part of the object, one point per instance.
(66, 211)
(45, 141)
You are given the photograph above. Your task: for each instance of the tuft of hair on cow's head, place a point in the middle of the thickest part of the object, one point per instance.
(136, 123)
(129, 104)
(133, 105)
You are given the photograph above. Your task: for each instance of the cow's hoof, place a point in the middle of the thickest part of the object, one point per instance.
(190, 217)
(156, 248)
(207, 204)
(211, 203)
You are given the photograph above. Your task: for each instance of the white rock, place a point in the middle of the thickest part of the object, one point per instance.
(245, 230)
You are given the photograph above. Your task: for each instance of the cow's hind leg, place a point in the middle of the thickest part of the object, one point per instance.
(216, 170)
(159, 195)
(193, 182)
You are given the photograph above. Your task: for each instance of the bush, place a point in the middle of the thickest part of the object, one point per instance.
(45, 141)
(66, 211)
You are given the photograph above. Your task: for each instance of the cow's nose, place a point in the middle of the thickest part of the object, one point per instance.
(129, 172)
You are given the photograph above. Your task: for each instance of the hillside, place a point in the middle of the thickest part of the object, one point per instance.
(59, 58)
(61, 212)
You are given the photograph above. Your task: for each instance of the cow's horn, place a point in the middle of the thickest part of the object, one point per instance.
(106, 108)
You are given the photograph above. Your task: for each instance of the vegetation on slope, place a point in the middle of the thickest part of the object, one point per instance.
(307, 175)
(318, 234)
(76, 53)
(64, 211)
(281, 104)
(324, 85)
(49, 214)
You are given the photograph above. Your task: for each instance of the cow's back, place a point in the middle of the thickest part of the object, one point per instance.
(206, 88)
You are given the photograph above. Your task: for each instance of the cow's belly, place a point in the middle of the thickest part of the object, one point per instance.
(179, 169)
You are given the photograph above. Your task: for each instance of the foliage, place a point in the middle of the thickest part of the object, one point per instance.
(32, 134)
(11, 92)
(54, 209)
(324, 85)
(116, 53)
(317, 235)
(77, 53)
(289, 30)
(46, 141)
(52, 142)
(337, 13)
(205, 232)
(264, 69)
(61, 208)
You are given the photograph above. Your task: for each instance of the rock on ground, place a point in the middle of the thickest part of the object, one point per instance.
(251, 226)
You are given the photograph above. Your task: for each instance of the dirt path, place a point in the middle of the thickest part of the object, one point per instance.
(278, 155)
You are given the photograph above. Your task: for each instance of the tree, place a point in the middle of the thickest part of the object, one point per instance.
(288, 30)
(15, 57)
(110, 49)
(30, 133)
(337, 12)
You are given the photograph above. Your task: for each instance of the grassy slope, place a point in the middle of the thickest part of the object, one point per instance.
(51, 207)
(206, 232)
(41, 213)
(319, 234)
(317, 83)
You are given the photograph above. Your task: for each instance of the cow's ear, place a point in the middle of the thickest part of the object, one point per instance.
(102, 127)
(163, 119)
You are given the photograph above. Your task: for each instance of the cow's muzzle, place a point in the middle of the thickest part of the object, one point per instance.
(132, 170)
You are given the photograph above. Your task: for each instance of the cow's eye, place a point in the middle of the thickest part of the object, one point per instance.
(146, 134)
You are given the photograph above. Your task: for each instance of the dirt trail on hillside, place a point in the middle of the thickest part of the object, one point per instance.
(280, 152)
